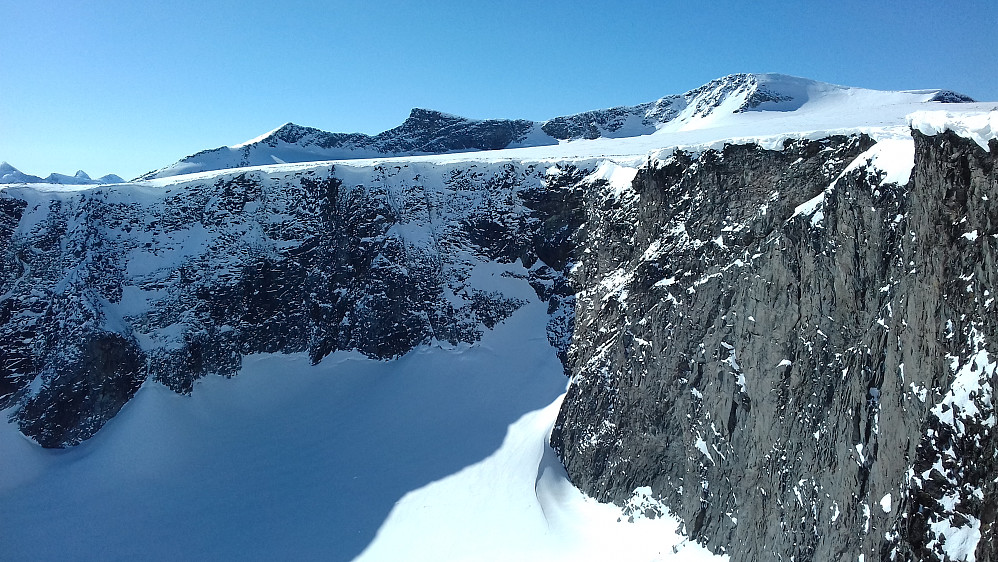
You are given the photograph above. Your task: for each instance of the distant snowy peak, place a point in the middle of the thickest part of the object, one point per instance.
(427, 131)
(10, 174)
(79, 178)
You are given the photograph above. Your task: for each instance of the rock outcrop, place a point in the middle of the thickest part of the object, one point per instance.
(427, 131)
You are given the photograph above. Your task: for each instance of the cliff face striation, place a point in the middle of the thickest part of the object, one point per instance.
(794, 349)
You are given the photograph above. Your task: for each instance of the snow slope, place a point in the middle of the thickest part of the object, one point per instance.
(287, 459)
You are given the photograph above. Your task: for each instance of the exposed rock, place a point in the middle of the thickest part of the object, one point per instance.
(106, 288)
(427, 131)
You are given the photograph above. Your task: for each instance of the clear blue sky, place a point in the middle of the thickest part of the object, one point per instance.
(124, 87)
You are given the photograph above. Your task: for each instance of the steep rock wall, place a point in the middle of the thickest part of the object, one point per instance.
(792, 352)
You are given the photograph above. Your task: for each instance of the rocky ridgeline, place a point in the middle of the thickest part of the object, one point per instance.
(787, 351)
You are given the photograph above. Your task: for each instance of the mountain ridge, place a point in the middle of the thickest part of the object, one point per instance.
(428, 131)
(9, 174)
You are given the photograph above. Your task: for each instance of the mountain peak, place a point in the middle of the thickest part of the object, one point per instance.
(290, 132)
(419, 114)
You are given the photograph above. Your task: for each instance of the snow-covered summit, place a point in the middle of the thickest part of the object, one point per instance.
(10, 174)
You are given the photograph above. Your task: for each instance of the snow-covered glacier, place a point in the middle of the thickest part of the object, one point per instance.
(770, 296)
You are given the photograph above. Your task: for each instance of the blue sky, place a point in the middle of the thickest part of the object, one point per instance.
(125, 87)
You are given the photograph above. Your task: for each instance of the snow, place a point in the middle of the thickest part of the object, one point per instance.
(439, 455)
(260, 138)
(810, 208)
(979, 127)
(970, 387)
(701, 445)
(886, 503)
(882, 115)
(961, 542)
(893, 157)
(618, 178)
(517, 504)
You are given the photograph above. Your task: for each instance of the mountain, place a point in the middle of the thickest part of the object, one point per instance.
(10, 174)
(774, 308)
(432, 132)
(81, 178)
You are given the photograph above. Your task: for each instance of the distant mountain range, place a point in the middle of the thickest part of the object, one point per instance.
(10, 174)
(427, 131)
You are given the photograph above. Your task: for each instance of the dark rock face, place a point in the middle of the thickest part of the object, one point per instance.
(104, 289)
(424, 131)
(613, 122)
(434, 132)
(798, 371)
(84, 392)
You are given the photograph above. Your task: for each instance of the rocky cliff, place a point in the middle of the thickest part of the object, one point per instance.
(106, 288)
(789, 347)
(792, 350)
